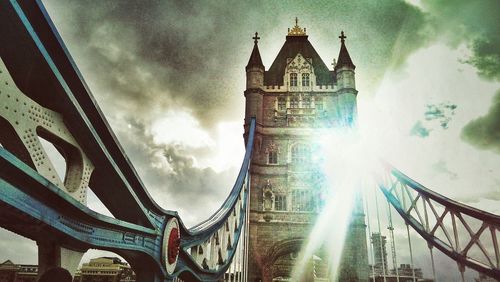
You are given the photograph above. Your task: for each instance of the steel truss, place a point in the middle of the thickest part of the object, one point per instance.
(467, 235)
(43, 95)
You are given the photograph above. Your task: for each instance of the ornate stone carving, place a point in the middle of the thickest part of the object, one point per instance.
(272, 147)
(268, 196)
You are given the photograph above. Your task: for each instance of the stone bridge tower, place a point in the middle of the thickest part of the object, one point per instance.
(293, 101)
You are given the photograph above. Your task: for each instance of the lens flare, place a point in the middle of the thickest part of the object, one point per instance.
(348, 164)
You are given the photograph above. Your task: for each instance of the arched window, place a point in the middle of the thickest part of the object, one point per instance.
(272, 157)
(294, 102)
(300, 154)
(293, 79)
(305, 79)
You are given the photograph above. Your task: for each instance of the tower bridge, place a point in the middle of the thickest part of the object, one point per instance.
(268, 227)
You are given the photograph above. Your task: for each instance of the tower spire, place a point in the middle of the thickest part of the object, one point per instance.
(344, 60)
(256, 38)
(342, 37)
(255, 59)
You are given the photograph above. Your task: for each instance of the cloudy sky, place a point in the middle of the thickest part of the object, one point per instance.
(169, 76)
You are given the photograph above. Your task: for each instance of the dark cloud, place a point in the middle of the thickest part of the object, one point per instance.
(171, 176)
(477, 24)
(474, 22)
(144, 58)
(148, 57)
(484, 132)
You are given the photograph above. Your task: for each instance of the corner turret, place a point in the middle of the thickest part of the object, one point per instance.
(255, 80)
(255, 68)
(344, 69)
(346, 83)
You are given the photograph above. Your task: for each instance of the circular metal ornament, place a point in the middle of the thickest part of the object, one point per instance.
(171, 244)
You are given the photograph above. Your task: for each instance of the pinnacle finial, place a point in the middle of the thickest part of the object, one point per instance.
(342, 37)
(296, 30)
(256, 38)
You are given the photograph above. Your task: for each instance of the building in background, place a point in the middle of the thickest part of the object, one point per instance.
(379, 253)
(10, 272)
(105, 269)
(380, 271)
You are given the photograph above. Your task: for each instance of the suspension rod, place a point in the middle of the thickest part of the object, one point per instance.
(369, 234)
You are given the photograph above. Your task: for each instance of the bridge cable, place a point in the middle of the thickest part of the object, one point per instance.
(380, 236)
(240, 256)
(432, 261)
(369, 234)
(237, 254)
(393, 242)
(247, 229)
(461, 269)
(231, 269)
(427, 229)
(411, 253)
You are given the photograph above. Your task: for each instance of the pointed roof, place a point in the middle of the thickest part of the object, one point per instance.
(7, 262)
(344, 59)
(255, 60)
(293, 45)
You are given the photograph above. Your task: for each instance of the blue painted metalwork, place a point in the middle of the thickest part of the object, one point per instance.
(422, 204)
(203, 231)
(36, 200)
(32, 206)
(30, 198)
(35, 208)
(50, 59)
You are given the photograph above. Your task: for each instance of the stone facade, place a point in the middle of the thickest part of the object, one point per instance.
(294, 102)
(105, 269)
(10, 272)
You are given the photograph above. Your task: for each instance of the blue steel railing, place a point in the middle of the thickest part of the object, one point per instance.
(442, 221)
(33, 206)
(227, 222)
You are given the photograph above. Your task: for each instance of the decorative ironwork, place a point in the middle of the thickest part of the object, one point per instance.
(296, 30)
(211, 245)
(24, 121)
(171, 243)
(60, 108)
(465, 234)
